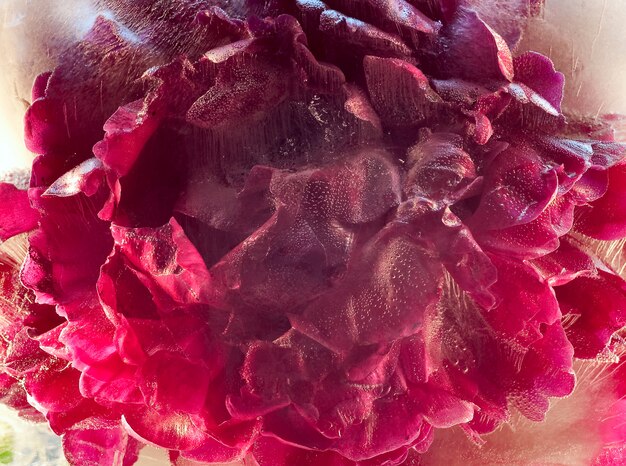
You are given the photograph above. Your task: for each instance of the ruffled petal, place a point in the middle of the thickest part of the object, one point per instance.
(596, 306)
(16, 215)
(605, 218)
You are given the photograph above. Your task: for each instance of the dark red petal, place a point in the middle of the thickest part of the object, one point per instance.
(381, 298)
(392, 425)
(358, 33)
(358, 104)
(465, 260)
(497, 369)
(43, 130)
(474, 50)
(91, 81)
(230, 100)
(590, 187)
(519, 185)
(390, 15)
(307, 241)
(166, 256)
(439, 169)
(574, 156)
(400, 92)
(609, 153)
(509, 19)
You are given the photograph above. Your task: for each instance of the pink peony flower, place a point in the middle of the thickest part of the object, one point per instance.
(306, 233)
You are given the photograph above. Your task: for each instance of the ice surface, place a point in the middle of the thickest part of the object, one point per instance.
(33, 43)
(586, 39)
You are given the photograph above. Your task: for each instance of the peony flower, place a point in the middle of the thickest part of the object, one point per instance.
(306, 233)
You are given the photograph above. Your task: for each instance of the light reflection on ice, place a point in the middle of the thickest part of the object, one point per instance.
(30, 444)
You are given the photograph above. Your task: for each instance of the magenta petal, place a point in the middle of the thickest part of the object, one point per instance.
(96, 441)
(537, 72)
(565, 264)
(54, 386)
(61, 421)
(16, 215)
(166, 255)
(526, 300)
(127, 131)
(605, 218)
(85, 346)
(272, 452)
(40, 84)
(67, 249)
(172, 383)
(23, 355)
(111, 381)
(211, 451)
(597, 309)
(43, 131)
(174, 431)
(50, 343)
(534, 239)
(546, 371)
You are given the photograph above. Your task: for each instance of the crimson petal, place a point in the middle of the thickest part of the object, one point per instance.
(16, 215)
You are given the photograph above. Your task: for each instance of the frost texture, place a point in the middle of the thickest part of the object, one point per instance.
(313, 238)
